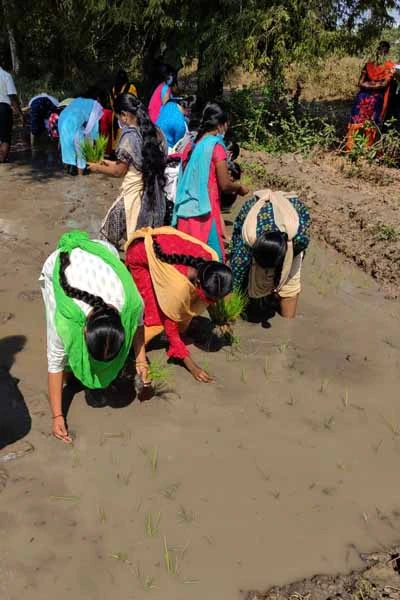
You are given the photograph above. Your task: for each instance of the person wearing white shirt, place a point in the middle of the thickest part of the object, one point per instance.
(94, 317)
(8, 101)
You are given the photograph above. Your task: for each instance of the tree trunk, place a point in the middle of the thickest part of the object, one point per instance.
(11, 37)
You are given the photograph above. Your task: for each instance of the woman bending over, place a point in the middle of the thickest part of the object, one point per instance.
(94, 317)
(177, 277)
(270, 235)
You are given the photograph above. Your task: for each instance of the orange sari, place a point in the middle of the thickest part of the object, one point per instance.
(370, 106)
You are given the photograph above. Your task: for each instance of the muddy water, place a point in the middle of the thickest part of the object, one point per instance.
(283, 468)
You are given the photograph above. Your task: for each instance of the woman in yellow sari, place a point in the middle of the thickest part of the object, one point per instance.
(122, 85)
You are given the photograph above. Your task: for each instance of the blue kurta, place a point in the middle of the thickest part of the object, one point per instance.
(71, 127)
(172, 123)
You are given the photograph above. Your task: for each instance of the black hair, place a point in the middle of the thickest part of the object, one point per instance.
(121, 79)
(235, 170)
(213, 115)
(104, 333)
(215, 278)
(153, 157)
(384, 44)
(269, 252)
(232, 147)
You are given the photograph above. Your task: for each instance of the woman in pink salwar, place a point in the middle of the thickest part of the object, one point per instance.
(204, 176)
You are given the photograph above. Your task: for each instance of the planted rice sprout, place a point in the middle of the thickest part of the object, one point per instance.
(93, 150)
(170, 559)
(151, 524)
(227, 311)
(160, 372)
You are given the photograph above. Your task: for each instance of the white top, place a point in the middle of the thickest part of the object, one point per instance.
(7, 87)
(86, 272)
(44, 95)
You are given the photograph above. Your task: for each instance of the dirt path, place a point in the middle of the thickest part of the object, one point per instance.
(286, 467)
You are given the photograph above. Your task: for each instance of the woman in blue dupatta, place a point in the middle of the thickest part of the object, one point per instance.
(204, 175)
(80, 119)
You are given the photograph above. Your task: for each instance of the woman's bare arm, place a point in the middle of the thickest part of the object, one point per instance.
(225, 182)
(109, 167)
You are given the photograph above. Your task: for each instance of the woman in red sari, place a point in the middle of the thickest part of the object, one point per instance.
(371, 103)
(177, 277)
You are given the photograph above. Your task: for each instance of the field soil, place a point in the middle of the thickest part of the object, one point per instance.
(284, 468)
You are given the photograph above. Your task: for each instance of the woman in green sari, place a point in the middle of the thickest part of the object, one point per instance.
(94, 317)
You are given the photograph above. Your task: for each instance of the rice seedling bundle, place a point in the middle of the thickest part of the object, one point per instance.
(93, 150)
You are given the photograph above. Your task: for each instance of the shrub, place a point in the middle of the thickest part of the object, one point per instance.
(277, 125)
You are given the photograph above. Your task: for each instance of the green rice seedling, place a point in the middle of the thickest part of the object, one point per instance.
(102, 515)
(276, 494)
(121, 556)
(160, 372)
(191, 581)
(170, 559)
(151, 524)
(149, 583)
(154, 460)
(267, 368)
(243, 376)
(185, 516)
(94, 150)
(228, 310)
(346, 398)
(170, 491)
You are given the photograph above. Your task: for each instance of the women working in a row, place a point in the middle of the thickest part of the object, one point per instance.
(94, 311)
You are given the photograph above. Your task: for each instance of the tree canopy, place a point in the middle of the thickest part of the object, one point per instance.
(77, 39)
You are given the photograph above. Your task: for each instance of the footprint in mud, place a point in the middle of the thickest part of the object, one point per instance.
(3, 479)
(29, 295)
(5, 317)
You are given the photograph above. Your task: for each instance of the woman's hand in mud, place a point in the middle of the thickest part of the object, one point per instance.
(142, 369)
(92, 167)
(243, 190)
(198, 373)
(226, 329)
(60, 431)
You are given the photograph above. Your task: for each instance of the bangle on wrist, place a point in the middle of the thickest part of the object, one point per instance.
(56, 417)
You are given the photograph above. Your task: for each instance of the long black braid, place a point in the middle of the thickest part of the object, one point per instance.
(214, 277)
(95, 301)
(104, 332)
(153, 206)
